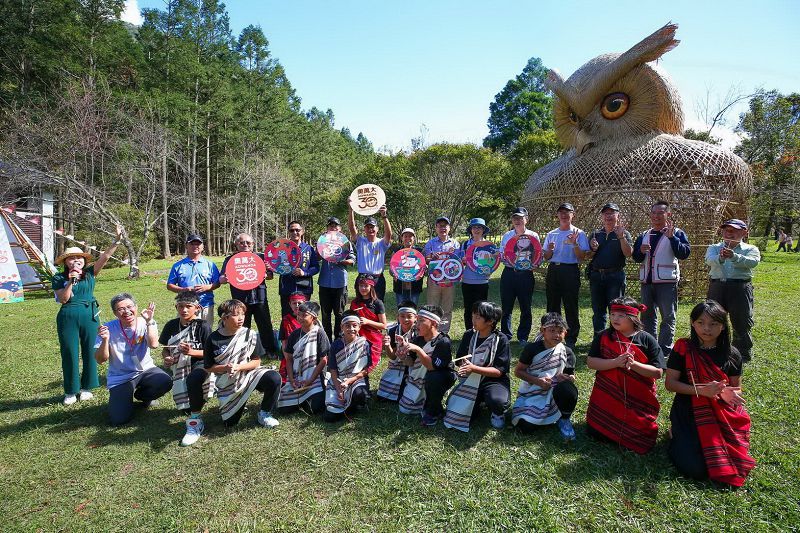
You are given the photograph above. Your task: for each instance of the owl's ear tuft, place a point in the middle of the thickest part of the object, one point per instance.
(655, 45)
(556, 83)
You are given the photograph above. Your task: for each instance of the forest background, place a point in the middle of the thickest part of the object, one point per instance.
(178, 125)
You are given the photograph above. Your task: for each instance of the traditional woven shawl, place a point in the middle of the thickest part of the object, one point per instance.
(350, 360)
(461, 401)
(623, 404)
(724, 429)
(534, 404)
(183, 367)
(413, 399)
(233, 391)
(304, 360)
(392, 378)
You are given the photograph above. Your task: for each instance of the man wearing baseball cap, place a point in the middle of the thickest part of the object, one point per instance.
(731, 263)
(198, 274)
(370, 250)
(332, 285)
(441, 295)
(516, 285)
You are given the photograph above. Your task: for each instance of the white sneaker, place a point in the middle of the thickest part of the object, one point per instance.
(194, 428)
(85, 395)
(498, 421)
(266, 420)
(69, 399)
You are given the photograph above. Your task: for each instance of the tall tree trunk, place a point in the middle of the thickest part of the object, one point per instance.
(208, 186)
(164, 216)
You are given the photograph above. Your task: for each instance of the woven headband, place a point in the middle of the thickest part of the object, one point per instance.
(350, 318)
(407, 310)
(430, 316)
(628, 310)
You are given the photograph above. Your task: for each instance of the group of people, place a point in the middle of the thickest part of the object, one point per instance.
(785, 242)
(325, 367)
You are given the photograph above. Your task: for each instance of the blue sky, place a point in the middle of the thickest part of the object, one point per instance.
(398, 70)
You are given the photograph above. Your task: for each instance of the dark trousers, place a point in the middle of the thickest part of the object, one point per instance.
(473, 293)
(77, 330)
(563, 283)
(604, 286)
(737, 299)
(270, 386)
(380, 287)
(332, 300)
(359, 399)
(782, 246)
(496, 396)
(684, 449)
(516, 285)
(260, 312)
(437, 383)
(315, 404)
(194, 387)
(146, 387)
(565, 396)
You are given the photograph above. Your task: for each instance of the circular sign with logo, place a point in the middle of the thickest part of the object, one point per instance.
(367, 199)
(333, 246)
(445, 269)
(407, 264)
(245, 270)
(523, 252)
(282, 256)
(483, 258)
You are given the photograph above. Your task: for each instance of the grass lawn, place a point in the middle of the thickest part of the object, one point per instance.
(63, 468)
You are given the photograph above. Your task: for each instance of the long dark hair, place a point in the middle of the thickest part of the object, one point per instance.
(718, 313)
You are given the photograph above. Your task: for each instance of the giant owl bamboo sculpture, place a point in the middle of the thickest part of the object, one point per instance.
(620, 120)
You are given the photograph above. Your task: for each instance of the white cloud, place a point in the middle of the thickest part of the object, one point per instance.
(132, 13)
(728, 138)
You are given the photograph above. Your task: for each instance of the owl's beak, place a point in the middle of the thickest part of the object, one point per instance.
(583, 141)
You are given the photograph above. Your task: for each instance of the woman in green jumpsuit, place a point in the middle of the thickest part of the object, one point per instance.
(78, 319)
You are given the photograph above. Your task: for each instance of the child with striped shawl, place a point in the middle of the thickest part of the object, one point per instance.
(623, 406)
(306, 355)
(234, 353)
(548, 394)
(483, 373)
(183, 339)
(429, 373)
(349, 363)
(710, 427)
(393, 380)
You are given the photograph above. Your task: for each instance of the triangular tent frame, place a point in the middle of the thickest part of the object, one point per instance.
(35, 270)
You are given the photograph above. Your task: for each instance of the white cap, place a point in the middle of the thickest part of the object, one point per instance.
(409, 230)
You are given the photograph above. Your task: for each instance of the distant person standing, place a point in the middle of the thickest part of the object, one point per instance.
(565, 247)
(198, 274)
(516, 285)
(370, 250)
(610, 246)
(731, 263)
(441, 295)
(332, 284)
(658, 250)
(302, 278)
(781, 241)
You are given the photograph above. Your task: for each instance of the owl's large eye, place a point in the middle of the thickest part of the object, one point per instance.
(615, 105)
(573, 117)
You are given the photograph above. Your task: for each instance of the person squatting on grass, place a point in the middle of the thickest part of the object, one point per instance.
(710, 426)
(428, 356)
(306, 356)
(483, 371)
(349, 364)
(125, 344)
(548, 394)
(289, 323)
(393, 380)
(623, 406)
(233, 352)
(182, 340)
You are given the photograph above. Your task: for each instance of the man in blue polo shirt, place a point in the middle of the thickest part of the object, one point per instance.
(196, 273)
(301, 279)
(370, 250)
(333, 288)
(564, 247)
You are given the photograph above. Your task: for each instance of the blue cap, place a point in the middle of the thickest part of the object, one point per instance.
(734, 223)
(477, 222)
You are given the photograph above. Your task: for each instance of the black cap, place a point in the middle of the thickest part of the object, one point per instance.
(194, 237)
(443, 219)
(610, 205)
(519, 212)
(334, 220)
(567, 206)
(734, 223)
(370, 221)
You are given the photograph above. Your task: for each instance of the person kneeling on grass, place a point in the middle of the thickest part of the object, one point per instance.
(548, 394)
(429, 375)
(623, 406)
(710, 427)
(393, 380)
(183, 339)
(483, 373)
(349, 364)
(306, 355)
(233, 353)
(125, 343)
